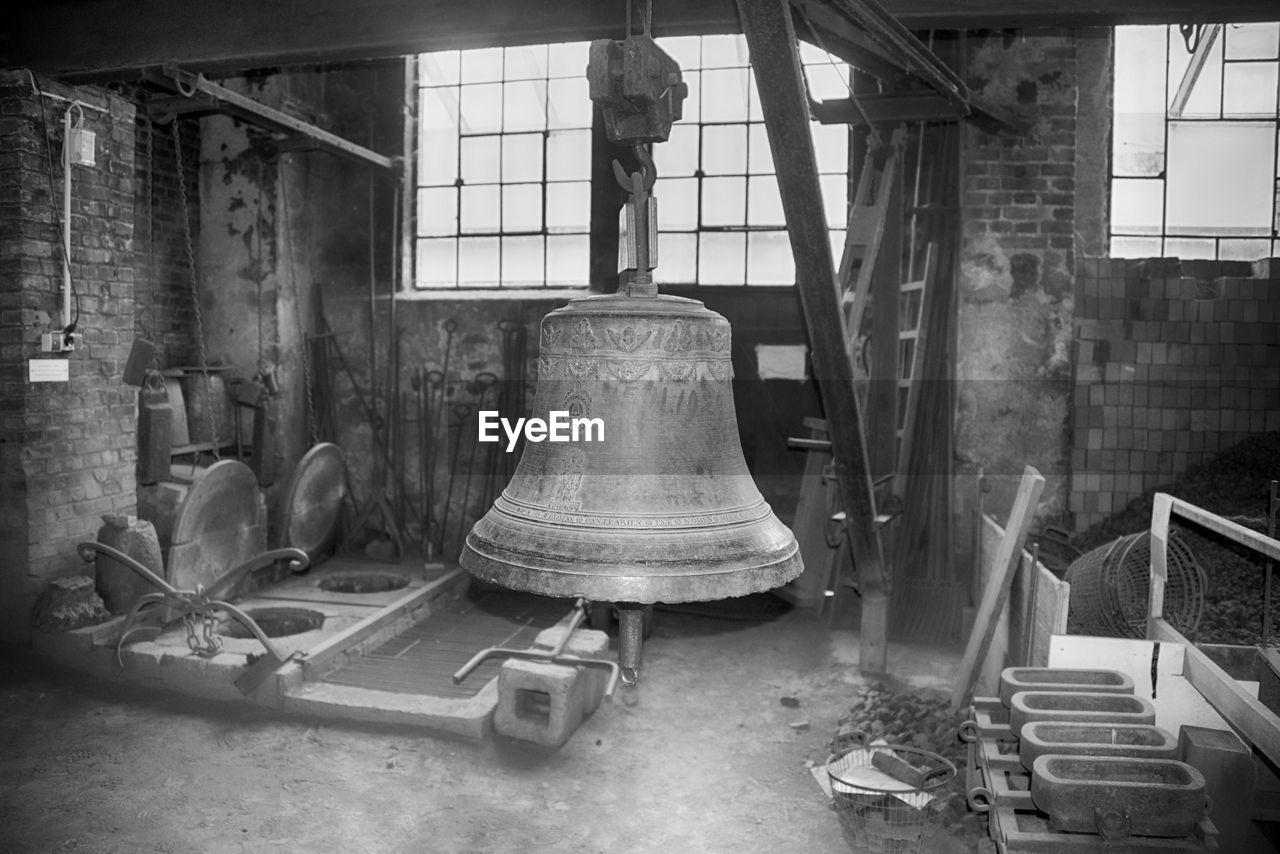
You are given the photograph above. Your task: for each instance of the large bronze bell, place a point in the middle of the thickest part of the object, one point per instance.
(664, 508)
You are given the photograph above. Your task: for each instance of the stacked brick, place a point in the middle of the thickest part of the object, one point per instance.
(67, 449)
(1174, 361)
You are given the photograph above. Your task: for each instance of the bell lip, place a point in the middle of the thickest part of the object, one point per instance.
(632, 583)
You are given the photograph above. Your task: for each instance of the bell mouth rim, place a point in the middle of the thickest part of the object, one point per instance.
(746, 515)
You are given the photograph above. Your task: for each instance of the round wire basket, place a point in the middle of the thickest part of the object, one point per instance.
(881, 813)
(1111, 587)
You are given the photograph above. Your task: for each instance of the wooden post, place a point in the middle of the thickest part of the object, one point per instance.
(775, 60)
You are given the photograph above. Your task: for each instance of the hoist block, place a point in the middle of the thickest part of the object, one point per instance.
(638, 88)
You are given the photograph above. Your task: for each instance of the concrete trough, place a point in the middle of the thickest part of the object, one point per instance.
(1015, 679)
(1118, 796)
(1078, 707)
(1140, 741)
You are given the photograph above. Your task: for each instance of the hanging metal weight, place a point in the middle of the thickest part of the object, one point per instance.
(155, 426)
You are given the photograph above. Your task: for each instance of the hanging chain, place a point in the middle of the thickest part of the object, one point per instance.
(191, 272)
(149, 327)
(260, 274)
(312, 427)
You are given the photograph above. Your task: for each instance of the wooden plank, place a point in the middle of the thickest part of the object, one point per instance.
(997, 590)
(775, 61)
(1246, 713)
(809, 590)
(886, 286)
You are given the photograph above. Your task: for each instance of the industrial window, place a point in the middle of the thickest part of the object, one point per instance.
(504, 169)
(1195, 162)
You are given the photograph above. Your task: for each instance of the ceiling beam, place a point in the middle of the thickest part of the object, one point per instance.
(99, 38)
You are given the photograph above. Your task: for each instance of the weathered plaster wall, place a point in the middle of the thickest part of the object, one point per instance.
(1022, 222)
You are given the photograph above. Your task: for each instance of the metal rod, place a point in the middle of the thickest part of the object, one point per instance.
(630, 640)
(1273, 507)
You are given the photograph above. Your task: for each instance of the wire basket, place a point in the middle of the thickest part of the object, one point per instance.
(878, 813)
(1111, 587)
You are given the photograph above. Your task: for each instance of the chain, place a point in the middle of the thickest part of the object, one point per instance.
(149, 328)
(191, 271)
(312, 427)
(260, 274)
(208, 644)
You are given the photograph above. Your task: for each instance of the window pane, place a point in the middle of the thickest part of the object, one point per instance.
(568, 155)
(480, 208)
(1135, 247)
(724, 201)
(568, 60)
(527, 62)
(568, 260)
(1220, 178)
(569, 206)
(831, 147)
(1244, 250)
(760, 155)
(764, 204)
(522, 207)
(1139, 51)
(685, 50)
(835, 200)
(482, 66)
(478, 261)
(1252, 41)
(524, 106)
(678, 259)
(438, 158)
(724, 150)
(480, 160)
(1249, 89)
(438, 108)
(721, 259)
(437, 263)
(1186, 248)
(1139, 144)
(677, 203)
(769, 259)
(678, 156)
(724, 95)
(728, 51)
(438, 212)
(481, 108)
(568, 103)
(522, 157)
(1206, 94)
(438, 68)
(1137, 205)
(522, 261)
(692, 107)
(827, 82)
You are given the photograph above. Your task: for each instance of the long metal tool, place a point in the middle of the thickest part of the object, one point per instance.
(552, 656)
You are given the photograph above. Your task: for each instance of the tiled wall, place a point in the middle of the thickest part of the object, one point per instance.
(1174, 361)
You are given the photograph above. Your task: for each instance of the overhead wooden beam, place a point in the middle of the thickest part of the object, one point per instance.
(86, 38)
(775, 61)
(196, 94)
(893, 108)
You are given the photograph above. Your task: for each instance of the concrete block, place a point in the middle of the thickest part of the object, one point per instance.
(1230, 781)
(542, 702)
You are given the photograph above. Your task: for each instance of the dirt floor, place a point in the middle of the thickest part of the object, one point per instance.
(704, 755)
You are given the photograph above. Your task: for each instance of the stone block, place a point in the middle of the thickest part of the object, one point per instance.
(118, 585)
(1230, 780)
(544, 703)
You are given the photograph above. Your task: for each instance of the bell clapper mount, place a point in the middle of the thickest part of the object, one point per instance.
(552, 656)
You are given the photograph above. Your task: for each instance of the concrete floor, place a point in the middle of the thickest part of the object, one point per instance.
(701, 756)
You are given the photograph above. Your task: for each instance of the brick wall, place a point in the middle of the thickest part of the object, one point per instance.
(67, 450)
(165, 314)
(1174, 362)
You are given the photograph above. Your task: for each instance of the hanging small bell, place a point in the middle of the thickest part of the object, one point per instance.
(661, 507)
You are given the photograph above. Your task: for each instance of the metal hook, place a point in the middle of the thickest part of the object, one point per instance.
(647, 173)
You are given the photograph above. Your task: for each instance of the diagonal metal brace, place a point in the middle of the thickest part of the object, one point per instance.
(552, 656)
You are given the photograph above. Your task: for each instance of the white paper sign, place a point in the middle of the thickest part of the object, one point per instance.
(50, 370)
(781, 361)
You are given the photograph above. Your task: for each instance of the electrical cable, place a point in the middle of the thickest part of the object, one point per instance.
(57, 215)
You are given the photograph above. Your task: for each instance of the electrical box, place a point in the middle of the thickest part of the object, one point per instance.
(59, 342)
(81, 143)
